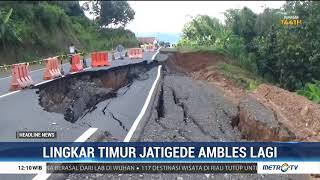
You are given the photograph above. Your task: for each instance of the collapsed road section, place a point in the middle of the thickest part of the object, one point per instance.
(184, 109)
(75, 95)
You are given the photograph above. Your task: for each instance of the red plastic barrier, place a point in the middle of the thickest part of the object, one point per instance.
(20, 77)
(135, 53)
(52, 69)
(77, 64)
(99, 59)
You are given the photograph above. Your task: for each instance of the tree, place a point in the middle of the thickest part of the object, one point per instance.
(161, 43)
(267, 19)
(203, 30)
(93, 7)
(71, 8)
(110, 12)
(7, 30)
(242, 23)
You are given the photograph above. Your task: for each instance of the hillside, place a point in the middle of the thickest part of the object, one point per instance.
(281, 49)
(33, 30)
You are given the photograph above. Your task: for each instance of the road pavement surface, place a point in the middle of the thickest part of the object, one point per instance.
(111, 120)
(181, 109)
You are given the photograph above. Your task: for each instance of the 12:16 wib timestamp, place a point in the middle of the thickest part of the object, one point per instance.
(29, 168)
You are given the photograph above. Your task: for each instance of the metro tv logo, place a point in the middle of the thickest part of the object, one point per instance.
(283, 168)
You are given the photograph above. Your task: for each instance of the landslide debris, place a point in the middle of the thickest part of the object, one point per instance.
(298, 114)
(259, 123)
(77, 94)
(186, 110)
(268, 114)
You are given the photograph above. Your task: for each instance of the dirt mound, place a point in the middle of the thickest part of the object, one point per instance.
(269, 114)
(260, 123)
(295, 112)
(203, 66)
(197, 61)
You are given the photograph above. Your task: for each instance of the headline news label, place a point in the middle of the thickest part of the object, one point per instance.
(36, 135)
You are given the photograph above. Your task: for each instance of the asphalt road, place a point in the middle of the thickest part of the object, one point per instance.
(21, 111)
(186, 110)
(113, 118)
(37, 75)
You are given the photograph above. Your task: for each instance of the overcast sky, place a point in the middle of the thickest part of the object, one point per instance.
(170, 16)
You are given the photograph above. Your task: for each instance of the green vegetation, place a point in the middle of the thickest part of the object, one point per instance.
(243, 78)
(199, 49)
(30, 30)
(287, 55)
(110, 12)
(311, 91)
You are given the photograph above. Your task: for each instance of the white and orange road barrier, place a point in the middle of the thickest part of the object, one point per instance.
(52, 68)
(76, 63)
(135, 53)
(20, 77)
(99, 59)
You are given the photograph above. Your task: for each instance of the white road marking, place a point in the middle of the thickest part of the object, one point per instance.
(91, 131)
(5, 78)
(41, 176)
(10, 93)
(154, 56)
(146, 104)
(144, 108)
(37, 70)
(45, 82)
(86, 135)
(82, 138)
(81, 71)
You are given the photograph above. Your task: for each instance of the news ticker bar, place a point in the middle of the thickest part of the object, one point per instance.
(123, 168)
(200, 152)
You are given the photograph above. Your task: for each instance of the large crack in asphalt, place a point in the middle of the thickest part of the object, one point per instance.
(184, 110)
(121, 124)
(76, 95)
(185, 113)
(190, 110)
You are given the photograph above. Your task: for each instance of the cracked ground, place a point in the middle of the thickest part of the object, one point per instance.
(184, 110)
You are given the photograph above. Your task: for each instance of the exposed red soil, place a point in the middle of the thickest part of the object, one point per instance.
(203, 66)
(295, 112)
(298, 114)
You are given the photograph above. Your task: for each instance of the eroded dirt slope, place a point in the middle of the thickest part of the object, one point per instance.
(195, 102)
(267, 114)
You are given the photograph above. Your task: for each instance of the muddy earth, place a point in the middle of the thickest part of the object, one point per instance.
(185, 109)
